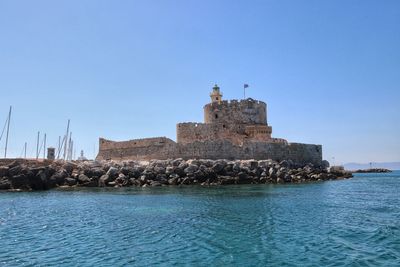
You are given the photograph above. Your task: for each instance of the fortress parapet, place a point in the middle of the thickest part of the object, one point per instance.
(236, 129)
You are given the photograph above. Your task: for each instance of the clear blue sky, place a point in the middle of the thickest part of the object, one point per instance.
(328, 70)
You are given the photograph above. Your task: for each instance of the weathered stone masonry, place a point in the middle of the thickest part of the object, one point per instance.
(231, 130)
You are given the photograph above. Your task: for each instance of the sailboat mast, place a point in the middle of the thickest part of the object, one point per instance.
(8, 130)
(37, 145)
(66, 141)
(44, 147)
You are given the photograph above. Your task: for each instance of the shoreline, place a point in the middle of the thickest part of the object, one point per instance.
(32, 175)
(373, 170)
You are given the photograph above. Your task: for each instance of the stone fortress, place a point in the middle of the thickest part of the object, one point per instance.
(231, 130)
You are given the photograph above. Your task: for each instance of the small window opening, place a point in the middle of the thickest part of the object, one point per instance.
(216, 116)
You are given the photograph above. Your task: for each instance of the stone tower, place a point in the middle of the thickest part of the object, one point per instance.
(216, 95)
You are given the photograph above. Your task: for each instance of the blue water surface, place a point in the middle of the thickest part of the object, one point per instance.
(353, 222)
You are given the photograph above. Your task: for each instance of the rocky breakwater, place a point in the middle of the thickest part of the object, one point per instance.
(380, 170)
(32, 175)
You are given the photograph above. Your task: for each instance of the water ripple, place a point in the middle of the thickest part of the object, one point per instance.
(352, 222)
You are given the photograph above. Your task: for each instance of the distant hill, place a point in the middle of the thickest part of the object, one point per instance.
(362, 166)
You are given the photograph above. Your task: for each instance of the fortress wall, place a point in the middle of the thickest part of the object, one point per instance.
(299, 153)
(190, 132)
(305, 153)
(145, 149)
(108, 144)
(219, 149)
(231, 112)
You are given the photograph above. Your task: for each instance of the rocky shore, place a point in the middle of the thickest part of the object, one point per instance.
(29, 175)
(376, 170)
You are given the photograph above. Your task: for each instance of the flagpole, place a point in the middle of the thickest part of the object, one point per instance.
(244, 90)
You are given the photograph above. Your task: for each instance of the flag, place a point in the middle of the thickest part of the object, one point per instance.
(245, 85)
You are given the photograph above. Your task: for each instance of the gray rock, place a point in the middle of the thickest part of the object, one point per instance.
(253, 164)
(155, 183)
(218, 167)
(176, 162)
(192, 168)
(4, 171)
(187, 181)
(159, 170)
(287, 178)
(59, 177)
(104, 180)
(20, 181)
(69, 167)
(15, 170)
(242, 176)
(122, 180)
(97, 171)
(70, 181)
(39, 181)
(325, 164)
(112, 172)
(4, 183)
(83, 179)
(173, 181)
(169, 170)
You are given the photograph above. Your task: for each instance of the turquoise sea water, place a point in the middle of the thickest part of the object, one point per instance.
(352, 222)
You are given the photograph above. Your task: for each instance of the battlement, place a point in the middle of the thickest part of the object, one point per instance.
(247, 111)
(195, 124)
(234, 102)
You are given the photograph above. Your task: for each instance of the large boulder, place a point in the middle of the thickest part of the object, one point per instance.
(122, 180)
(244, 178)
(325, 164)
(169, 170)
(20, 181)
(104, 180)
(4, 183)
(39, 181)
(83, 179)
(112, 172)
(180, 169)
(176, 162)
(218, 167)
(69, 167)
(58, 178)
(128, 171)
(91, 172)
(253, 164)
(4, 171)
(70, 181)
(15, 170)
(192, 168)
(159, 170)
